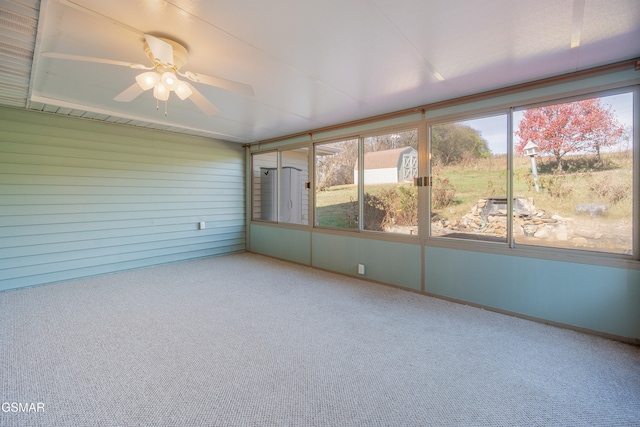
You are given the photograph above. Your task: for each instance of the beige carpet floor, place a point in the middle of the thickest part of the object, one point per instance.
(245, 340)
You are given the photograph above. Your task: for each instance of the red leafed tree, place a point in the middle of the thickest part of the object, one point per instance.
(571, 128)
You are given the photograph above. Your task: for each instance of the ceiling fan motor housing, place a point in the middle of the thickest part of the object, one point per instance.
(180, 53)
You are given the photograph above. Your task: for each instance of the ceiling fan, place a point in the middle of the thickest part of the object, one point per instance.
(168, 57)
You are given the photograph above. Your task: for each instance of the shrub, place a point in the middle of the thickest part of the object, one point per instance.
(556, 185)
(611, 191)
(526, 178)
(377, 211)
(406, 213)
(442, 193)
(391, 206)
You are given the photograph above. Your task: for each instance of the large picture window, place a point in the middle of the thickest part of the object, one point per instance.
(469, 179)
(280, 194)
(294, 194)
(573, 175)
(574, 162)
(560, 175)
(336, 192)
(390, 199)
(264, 175)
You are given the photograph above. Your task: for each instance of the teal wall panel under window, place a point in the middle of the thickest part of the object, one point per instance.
(388, 262)
(80, 198)
(284, 243)
(592, 297)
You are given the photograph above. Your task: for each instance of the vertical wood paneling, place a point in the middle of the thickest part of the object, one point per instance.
(80, 198)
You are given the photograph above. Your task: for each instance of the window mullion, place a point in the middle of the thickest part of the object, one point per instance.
(510, 195)
(360, 183)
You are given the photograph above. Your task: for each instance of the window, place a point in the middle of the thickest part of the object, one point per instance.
(573, 164)
(281, 195)
(264, 173)
(469, 179)
(560, 175)
(294, 194)
(573, 175)
(336, 192)
(390, 199)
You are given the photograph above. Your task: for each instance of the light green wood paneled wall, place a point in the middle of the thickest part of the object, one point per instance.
(80, 198)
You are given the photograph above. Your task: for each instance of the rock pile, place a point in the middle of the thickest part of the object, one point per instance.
(489, 217)
(488, 221)
(480, 220)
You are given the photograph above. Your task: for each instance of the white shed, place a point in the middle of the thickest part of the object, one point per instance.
(389, 166)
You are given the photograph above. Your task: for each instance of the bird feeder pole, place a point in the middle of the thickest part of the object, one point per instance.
(531, 150)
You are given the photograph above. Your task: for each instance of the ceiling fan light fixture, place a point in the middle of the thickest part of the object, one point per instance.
(160, 92)
(163, 76)
(170, 80)
(183, 90)
(147, 80)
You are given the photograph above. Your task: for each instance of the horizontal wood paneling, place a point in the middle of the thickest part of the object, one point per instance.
(79, 198)
(135, 218)
(107, 254)
(95, 268)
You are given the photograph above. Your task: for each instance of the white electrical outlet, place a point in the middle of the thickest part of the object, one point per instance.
(360, 268)
(202, 225)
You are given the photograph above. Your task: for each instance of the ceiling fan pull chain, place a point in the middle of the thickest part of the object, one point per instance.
(166, 103)
(157, 104)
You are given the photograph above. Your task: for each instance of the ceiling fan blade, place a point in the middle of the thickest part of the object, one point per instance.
(202, 102)
(129, 94)
(91, 59)
(160, 49)
(221, 83)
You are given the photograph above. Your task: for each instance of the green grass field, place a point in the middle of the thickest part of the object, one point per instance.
(606, 182)
(336, 207)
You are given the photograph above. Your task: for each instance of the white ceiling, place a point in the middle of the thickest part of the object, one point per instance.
(317, 63)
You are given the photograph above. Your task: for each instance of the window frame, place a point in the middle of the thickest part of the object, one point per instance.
(417, 126)
(462, 111)
(461, 117)
(253, 187)
(278, 151)
(405, 127)
(635, 186)
(315, 144)
(545, 252)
